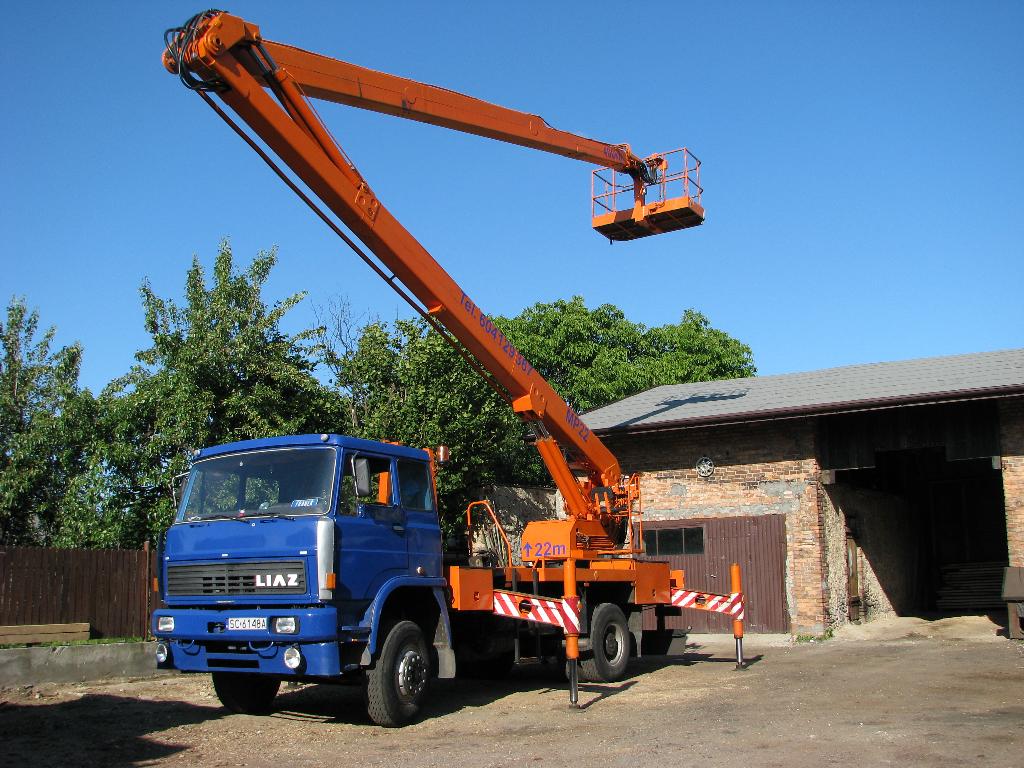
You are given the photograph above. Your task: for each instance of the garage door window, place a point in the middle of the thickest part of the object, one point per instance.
(674, 541)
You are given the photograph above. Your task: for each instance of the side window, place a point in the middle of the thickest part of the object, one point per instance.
(693, 541)
(663, 542)
(380, 485)
(414, 485)
(670, 541)
(651, 542)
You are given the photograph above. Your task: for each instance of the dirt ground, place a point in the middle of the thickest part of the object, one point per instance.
(900, 692)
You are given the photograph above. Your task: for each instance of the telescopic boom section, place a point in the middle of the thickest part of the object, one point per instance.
(266, 83)
(321, 77)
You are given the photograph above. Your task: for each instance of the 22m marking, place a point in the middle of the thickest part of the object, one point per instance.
(543, 549)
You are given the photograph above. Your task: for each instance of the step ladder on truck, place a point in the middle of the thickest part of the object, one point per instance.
(337, 571)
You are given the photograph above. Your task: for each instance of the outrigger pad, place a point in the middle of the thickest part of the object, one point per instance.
(677, 213)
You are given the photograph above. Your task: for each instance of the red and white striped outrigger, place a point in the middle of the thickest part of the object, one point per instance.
(564, 613)
(731, 604)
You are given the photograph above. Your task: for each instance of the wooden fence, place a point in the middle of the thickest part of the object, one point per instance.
(108, 588)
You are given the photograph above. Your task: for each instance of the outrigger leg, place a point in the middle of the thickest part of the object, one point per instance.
(572, 639)
(574, 684)
(737, 624)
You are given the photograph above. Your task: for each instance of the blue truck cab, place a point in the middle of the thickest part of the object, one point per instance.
(314, 558)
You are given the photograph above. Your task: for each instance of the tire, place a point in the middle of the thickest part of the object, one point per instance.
(397, 684)
(610, 643)
(245, 693)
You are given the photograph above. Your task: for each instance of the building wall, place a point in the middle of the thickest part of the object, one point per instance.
(514, 506)
(885, 531)
(833, 523)
(760, 469)
(1011, 423)
(771, 468)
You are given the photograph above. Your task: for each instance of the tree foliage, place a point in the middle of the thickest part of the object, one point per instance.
(403, 382)
(79, 470)
(45, 420)
(219, 369)
(593, 357)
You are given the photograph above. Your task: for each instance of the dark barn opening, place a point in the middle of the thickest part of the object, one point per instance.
(921, 494)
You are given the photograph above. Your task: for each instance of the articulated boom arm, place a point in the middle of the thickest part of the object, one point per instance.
(266, 85)
(321, 77)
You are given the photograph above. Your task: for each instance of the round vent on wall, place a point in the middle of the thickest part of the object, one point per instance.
(705, 466)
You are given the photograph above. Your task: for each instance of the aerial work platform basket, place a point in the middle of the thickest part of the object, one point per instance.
(624, 208)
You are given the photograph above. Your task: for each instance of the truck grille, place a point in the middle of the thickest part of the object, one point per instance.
(275, 577)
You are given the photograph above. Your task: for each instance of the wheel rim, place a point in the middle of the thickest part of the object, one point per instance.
(613, 644)
(412, 674)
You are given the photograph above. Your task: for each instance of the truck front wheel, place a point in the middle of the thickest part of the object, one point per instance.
(608, 658)
(245, 693)
(397, 684)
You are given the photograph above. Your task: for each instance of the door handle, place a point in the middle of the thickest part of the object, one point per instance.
(398, 528)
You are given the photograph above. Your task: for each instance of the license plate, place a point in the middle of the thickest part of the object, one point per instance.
(247, 622)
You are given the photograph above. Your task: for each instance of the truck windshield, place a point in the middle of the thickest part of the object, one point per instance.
(285, 482)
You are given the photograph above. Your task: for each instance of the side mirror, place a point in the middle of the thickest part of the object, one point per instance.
(361, 473)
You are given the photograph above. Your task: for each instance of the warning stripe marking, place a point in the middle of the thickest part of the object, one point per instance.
(541, 610)
(731, 604)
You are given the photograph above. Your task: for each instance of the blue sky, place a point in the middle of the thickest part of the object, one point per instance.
(863, 168)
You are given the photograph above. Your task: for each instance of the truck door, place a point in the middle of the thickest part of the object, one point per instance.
(372, 529)
(423, 533)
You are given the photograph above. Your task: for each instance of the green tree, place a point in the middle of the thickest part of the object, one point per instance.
(91, 515)
(219, 369)
(45, 422)
(691, 350)
(403, 382)
(593, 357)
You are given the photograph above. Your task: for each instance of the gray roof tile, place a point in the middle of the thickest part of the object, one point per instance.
(848, 388)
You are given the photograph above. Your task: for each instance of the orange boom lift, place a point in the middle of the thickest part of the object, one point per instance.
(268, 86)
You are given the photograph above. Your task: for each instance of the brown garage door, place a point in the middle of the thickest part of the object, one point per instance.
(705, 547)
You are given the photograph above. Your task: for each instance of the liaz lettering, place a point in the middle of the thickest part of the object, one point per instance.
(277, 579)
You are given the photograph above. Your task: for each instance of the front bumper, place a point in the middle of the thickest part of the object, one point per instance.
(201, 641)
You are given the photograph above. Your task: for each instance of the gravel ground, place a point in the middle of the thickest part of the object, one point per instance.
(903, 692)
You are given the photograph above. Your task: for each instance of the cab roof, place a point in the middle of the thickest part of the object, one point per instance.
(310, 441)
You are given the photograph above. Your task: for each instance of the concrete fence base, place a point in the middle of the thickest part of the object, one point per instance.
(77, 663)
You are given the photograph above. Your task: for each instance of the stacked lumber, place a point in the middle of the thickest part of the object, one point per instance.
(971, 587)
(27, 634)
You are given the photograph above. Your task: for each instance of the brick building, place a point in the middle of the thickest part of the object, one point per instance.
(846, 493)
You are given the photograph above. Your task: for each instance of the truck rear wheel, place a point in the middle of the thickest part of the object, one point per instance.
(397, 684)
(608, 657)
(245, 693)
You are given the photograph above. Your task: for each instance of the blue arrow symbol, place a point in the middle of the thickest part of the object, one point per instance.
(526, 549)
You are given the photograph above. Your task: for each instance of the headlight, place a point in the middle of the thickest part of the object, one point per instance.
(165, 624)
(286, 625)
(292, 657)
(162, 653)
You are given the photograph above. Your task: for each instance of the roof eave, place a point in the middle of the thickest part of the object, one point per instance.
(818, 409)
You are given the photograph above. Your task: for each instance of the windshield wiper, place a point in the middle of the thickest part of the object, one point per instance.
(271, 514)
(214, 517)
